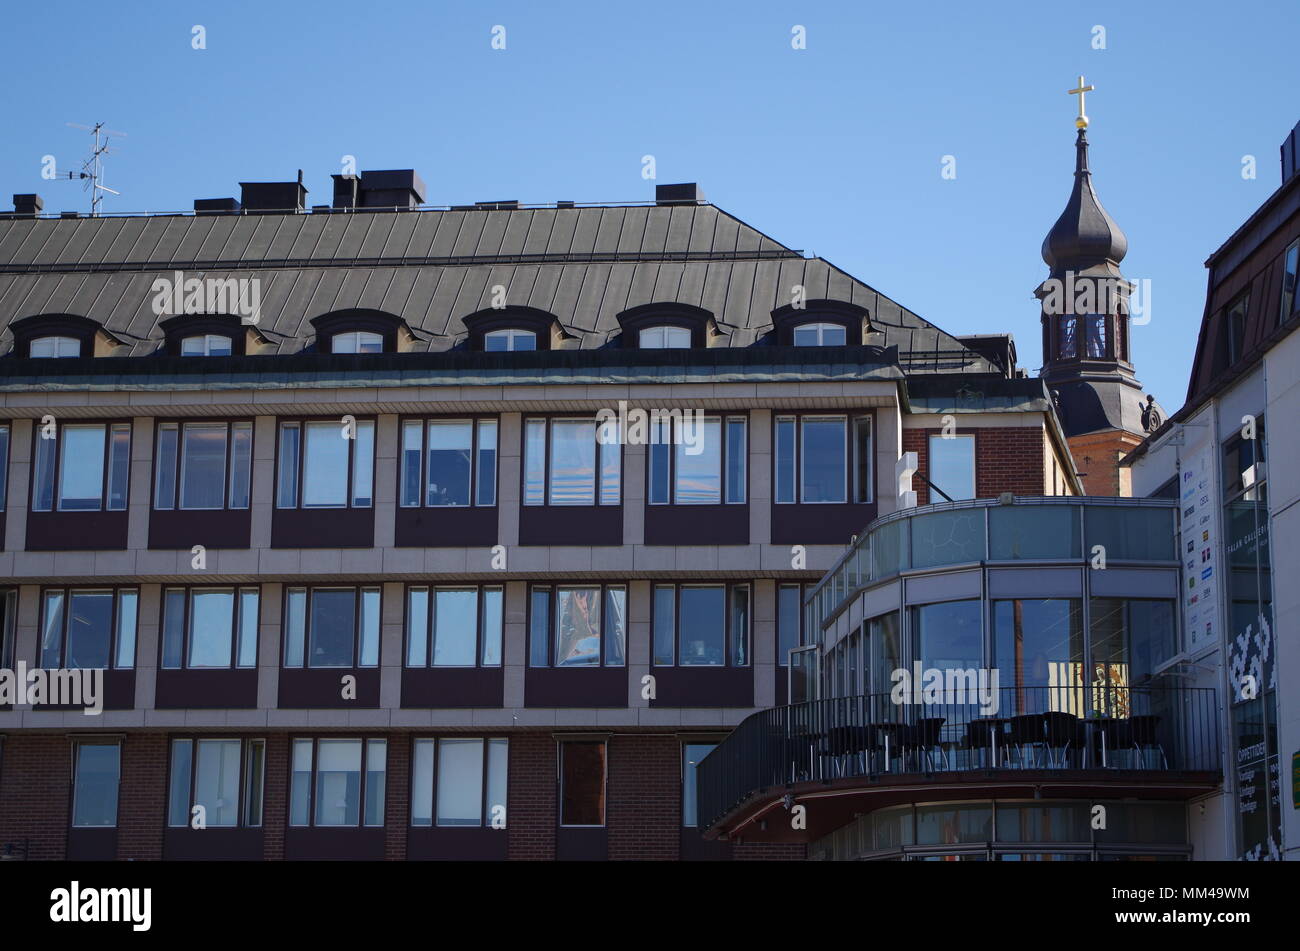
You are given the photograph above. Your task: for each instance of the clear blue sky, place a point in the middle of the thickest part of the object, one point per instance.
(834, 149)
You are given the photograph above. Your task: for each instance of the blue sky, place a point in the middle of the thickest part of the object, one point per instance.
(835, 149)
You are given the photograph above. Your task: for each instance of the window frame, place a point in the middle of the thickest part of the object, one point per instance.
(115, 624)
(357, 621)
(604, 789)
(246, 746)
(207, 339)
(974, 456)
(728, 632)
(1235, 324)
(654, 447)
(510, 335)
(361, 337)
(663, 330)
(6, 445)
(59, 340)
(485, 805)
(851, 486)
(75, 770)
(300, 475)
(547, 451)
(187, 617)
(362, 792)
(110, 427)
(430, 633)
(476, 423)
(552, 588)
(820, 326)
(178, 463)
(1290, 299)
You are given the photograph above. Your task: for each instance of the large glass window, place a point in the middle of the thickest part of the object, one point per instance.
(698, 461)
(88, 628)
(82, 467)
(883, 652)
(209, 627)
(1130, 639)
(948, 635)
(225, 777)
(566, 464)
(701, 625)
(952, 466)
(449, 462)
(331, 627)
(823, 459)
(1038, 649)
(582, 783)
(326, 464)
(578, 626)
(203, 465)
(692, 755)
(55, 347)
(357, 341)
(338, 782)
(789, 621)
(453, 627)
(96, 769)
(466, 786)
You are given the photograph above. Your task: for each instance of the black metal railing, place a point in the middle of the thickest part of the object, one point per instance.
(1091, 728)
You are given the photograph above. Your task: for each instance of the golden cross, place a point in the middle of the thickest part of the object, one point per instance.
(1082, 121)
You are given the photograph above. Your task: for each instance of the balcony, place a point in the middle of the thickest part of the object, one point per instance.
(846, 756)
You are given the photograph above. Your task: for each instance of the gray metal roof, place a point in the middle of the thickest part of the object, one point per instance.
(433, 268)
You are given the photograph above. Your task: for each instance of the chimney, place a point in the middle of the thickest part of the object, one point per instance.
(391, 188)
(347, 190)
(686, 193)
(216, 206)
(27, 206)
(269, 197)
(1290, 153)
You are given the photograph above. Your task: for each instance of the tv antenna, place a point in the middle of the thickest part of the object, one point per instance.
(92, 169)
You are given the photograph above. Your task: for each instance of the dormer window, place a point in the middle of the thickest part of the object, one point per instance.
(665, 338)
(358, 341)
(55, 347)
(511, 339)
(819, 335)
(206, 345)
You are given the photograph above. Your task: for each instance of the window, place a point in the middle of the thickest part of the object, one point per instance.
(565, 463)
(582, 783)
(466, 786)
(225, 777)
(206, 345)
(55, 347)
(357, 341)
(338, 783)
(1068, 339)
(664, 338)
(453, 627)
(952, 466)
(215, 459)
(4, 464)
(701, 625)
(578, 626)
(692, 755)
(822, 459)
(820, 335)
(498, 341)
(96, 769)
(1038, 649)
(1290, 265)
(1236, 328)
(697, 460)
(82, 467)
(326, 464)
(209, 628)
(789, 621)
(88, 628)
(1098, 342)
(449, 462)
(331, 627)
(948, 635)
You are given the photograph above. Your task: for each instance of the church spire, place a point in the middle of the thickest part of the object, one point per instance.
(1085, 235)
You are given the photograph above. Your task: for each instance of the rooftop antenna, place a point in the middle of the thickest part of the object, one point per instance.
(92, 169)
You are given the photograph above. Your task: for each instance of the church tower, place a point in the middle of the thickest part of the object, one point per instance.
(1087, 363)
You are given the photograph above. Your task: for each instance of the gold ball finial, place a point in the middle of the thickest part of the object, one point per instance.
(1081, 122)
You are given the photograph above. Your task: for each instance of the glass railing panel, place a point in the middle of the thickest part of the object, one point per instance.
(948, 538)
(1130, 532)
(1034, 532)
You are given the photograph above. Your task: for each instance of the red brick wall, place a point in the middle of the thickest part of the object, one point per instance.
(531, 814)
(142, 797)
(1007, 459)
(645, 812)
(770, 852)
(275, 801)
(35, 792)
(397, 805)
